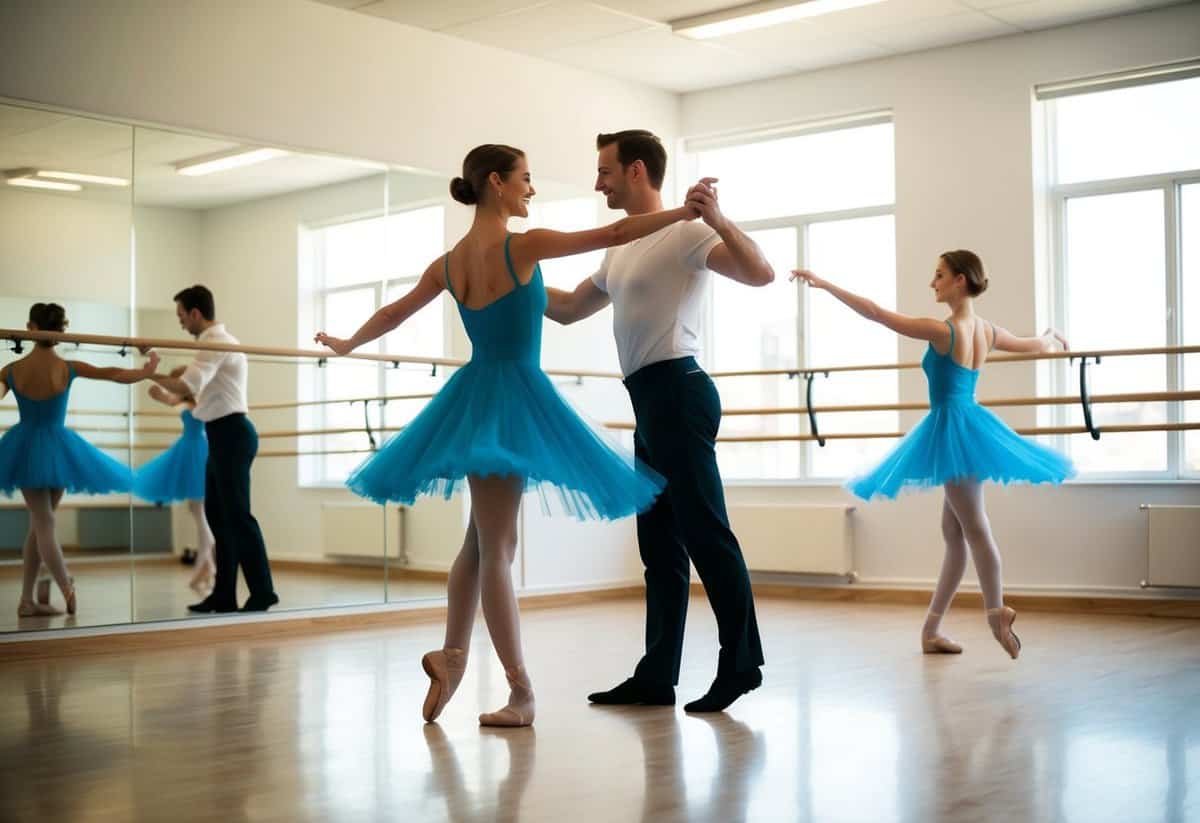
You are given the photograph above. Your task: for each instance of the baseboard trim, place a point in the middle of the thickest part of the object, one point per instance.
(152, 636)
(250, 628)
(1079, 604)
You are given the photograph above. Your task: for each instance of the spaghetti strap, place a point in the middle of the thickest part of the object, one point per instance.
(449, 285)
(71, 375)
(950, 351)
(508, 261)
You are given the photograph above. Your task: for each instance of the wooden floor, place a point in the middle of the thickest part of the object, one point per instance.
(1098, 721)
(110, 589)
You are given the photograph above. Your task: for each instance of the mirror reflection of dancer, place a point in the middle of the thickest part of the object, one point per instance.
(218, 381)
(178, 474)
(43, 458)
(499, 422)
(960, 444)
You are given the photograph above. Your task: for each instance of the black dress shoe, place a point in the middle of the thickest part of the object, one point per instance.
(260, 603)
(635, 693)
(726, 689)
(210, 606)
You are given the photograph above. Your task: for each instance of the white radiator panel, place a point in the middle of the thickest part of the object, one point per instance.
(1172, 546)
(803, 538)
(354, 532)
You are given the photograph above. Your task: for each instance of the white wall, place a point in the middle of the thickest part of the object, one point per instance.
(64, 246)
(307, 75)
(965, 135)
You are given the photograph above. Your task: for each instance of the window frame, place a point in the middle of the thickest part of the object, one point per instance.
(689, 148)
(1061, 379)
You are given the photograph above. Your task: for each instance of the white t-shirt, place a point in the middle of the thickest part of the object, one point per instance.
(217, 378)
(657, 287)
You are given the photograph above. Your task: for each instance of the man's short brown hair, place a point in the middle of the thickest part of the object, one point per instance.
(639, 144)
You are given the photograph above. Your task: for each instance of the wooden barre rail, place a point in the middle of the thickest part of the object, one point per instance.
(749, 438)
(1136, 397)
(17, 335)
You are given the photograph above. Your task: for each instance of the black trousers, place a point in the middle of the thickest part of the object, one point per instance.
(678, 413)
(232, 445)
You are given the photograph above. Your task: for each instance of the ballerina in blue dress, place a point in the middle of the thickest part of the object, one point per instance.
(960, 444)
(498, 425)
(178, 475)
(42, 458)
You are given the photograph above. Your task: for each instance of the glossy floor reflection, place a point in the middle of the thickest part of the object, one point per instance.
(1098, 721)
(156, 588)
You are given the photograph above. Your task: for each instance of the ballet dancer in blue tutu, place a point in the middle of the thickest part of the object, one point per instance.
(960, 444)
(178, 474)
(498, 425)
(42, 458)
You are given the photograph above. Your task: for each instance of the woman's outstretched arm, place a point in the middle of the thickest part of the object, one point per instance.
(392, 315)
(918, 328)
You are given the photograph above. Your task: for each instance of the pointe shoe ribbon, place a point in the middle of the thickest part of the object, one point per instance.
(520, 709)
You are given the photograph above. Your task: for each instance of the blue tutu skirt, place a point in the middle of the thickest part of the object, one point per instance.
(54, 457)
(961, 441)
(505, 418)
(176, 474)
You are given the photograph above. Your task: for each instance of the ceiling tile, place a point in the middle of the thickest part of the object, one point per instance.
(549, 27)
(1041, 14)
(658, 58)
(444, 13)
(344, 4)
(938, 31)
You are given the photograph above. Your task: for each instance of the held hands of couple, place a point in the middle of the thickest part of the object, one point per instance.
(703, 203)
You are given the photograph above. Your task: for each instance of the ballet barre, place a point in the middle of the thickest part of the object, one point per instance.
(321, 356)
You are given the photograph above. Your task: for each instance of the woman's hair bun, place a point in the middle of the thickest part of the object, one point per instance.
(462, 191)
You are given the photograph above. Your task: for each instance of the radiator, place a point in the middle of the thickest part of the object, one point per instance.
(354, 533)
(1172, 546)
(803, 538)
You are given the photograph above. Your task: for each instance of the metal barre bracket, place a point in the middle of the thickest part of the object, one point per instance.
(1084, 399)
(808, 406)
(367, 425)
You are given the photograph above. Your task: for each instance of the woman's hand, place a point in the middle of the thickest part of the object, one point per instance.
(809, 278)
(1053, 339)
(151, 364)
(337, 344)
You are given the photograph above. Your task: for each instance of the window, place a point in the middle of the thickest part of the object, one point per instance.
(1124, 167)
(820, 196)
(351, 269)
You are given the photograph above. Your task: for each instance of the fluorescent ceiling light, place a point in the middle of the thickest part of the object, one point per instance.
(758, 15)
(25, 179)
(75, 177)
(225, 160)
(34, 183)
